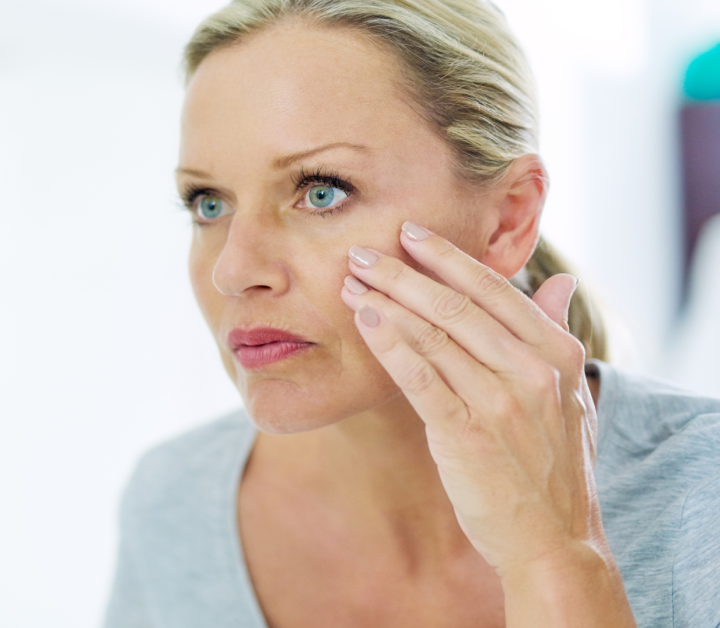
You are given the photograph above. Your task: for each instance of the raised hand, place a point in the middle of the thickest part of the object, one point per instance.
(499, 382)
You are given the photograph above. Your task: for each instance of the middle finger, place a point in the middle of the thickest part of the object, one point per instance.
(481, 335)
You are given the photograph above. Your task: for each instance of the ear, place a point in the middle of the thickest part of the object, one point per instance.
(518, 203)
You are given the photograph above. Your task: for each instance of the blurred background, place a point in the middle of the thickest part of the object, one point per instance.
(102, 350)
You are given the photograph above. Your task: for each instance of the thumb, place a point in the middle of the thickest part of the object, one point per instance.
(553, 298)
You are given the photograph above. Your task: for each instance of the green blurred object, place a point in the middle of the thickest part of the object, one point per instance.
(702, 79)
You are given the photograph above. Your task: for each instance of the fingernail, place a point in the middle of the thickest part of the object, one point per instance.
(369, 316)
(577, 281)
(362, 257)
(355, 286)
(412, 231)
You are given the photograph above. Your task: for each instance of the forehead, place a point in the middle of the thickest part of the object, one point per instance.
(295, 86)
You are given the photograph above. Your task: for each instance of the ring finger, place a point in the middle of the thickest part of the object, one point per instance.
(405, 333)
(476, 331)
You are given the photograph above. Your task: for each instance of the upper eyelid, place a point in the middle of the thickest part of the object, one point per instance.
(323, 176)
(197, 187)
(191, 193)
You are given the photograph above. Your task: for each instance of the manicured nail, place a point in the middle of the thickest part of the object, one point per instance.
(577, 282)
(355, 286)
(412, 231)
(362, 257)
(369, 316)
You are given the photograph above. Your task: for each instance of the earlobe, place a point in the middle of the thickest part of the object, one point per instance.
(519, 203)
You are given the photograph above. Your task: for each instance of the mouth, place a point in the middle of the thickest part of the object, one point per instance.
(262, 346)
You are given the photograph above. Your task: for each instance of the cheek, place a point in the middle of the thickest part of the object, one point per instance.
(344, 379)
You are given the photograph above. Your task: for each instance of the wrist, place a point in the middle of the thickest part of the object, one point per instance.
(579, 585)
(576, 557)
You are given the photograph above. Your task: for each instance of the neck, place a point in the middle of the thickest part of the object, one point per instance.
(373, 471)
(377, 469)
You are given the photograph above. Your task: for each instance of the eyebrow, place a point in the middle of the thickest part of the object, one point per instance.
(279, 163)
(195, 173)
(286, 160)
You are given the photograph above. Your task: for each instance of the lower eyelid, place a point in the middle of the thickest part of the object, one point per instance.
(335, 209)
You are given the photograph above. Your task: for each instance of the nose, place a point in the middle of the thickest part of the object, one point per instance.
(252, 260)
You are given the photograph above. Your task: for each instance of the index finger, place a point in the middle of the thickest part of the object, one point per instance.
(485, 287)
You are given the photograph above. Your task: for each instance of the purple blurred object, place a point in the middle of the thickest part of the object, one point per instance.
(700, 137)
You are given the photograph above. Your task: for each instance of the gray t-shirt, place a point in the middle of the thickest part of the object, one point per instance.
(180, 563)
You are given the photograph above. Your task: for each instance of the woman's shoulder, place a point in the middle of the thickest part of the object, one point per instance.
(179, 554)
(186, 465)
(639, 415)
(653, 431)
(657, 472)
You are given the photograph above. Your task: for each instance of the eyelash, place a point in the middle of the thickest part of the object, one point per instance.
(302, 181)
(320, 177)
(188, 198)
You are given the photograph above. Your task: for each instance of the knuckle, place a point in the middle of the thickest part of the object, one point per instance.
(459, 413)
(545, 379)
(470, 429)
(446, 249)
(450, 306)
(429, 339)
(418, 378)
(575, 353)
(488, 283)
(505, 405)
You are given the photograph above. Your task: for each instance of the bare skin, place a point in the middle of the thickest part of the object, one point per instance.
(344, 512)
(300, 543)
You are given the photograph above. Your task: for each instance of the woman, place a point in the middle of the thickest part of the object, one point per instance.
(419, 437)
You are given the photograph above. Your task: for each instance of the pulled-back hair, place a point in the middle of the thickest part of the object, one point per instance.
(466, 73)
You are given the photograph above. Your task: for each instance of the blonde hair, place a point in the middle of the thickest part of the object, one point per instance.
(465, 71)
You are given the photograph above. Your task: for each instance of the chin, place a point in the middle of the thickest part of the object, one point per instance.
(283, 407)
(277, 424)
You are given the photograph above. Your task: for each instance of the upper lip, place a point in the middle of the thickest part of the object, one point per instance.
(260, 336)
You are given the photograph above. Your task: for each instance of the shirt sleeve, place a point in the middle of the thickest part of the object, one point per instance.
(696, 568)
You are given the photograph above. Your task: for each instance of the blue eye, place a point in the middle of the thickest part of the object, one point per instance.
(324, 196)
(210, 207)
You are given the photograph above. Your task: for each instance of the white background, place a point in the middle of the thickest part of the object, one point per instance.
(102, 350)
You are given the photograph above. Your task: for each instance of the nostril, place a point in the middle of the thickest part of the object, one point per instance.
(237, 272)
(258, 288)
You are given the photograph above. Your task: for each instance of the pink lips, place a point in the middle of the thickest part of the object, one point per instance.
(255, 348)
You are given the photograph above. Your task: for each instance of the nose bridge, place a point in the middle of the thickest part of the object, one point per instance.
(252, 257)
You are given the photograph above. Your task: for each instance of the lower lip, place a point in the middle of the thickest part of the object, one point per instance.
(253, 357)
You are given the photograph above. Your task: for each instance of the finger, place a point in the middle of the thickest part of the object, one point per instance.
(421, 384)
(478, 333)
(481, 392)
(464, 375)
(553, 298)
(488, 406)
(488, 289)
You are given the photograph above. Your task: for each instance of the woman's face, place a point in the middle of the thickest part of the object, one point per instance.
(296, 145)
